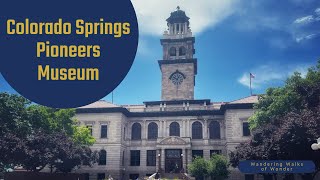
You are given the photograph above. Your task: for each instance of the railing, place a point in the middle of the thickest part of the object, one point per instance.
(152, 177)
(182, 175)
(166, 35)
(187, 176)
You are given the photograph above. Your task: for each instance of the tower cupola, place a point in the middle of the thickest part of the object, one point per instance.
(178, 23)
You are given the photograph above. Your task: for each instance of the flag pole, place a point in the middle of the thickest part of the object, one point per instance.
(250, 85)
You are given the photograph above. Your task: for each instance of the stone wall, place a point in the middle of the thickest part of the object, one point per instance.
(119, 143)
(183, 91)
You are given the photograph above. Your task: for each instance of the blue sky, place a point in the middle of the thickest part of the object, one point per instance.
(269, 38)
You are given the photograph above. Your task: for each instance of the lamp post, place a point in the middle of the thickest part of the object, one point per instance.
(159, 162)
(182, 169)
(58, 161)
(316, 146)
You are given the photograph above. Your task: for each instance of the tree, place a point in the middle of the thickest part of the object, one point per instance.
(82, 135)
(199, 168)
(291, 141)
(52, 120)
(286, 122)
(218, 167)
(12, 149)
(297, 94)
(14, 115)
(295, 136)
(14, 125)
(35, 136)
(56, 150)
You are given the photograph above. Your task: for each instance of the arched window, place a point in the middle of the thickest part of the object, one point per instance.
(174, 129)
(197, 130)
(152, 131)
(136, 131)
(172, 51)
(102, 157)
(182, 51)
(214, 130)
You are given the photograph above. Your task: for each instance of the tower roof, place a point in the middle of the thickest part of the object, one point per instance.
(178, 16)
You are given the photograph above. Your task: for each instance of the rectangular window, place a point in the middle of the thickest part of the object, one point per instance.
(86, 176)
(104, 131)
(197, 153)
(135, 158)
(151, 158)
(212, 152)
(101, 176)
(133, 176)
(122, 158)
(267, 177)
(249, 177)
(246, 130)
(90, 129)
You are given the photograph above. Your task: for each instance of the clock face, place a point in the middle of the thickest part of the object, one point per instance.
(177, 78)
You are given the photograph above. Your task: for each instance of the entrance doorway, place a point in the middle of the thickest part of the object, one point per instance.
(173, 160)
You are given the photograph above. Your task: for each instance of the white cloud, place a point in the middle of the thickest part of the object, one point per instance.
(251, 22)
(203, 13)
(317, 11)
(270, 73)
(143, 47)
(302, 69)
(306, 37)
(304, 20)
(302, 2)
(308, 19)
(306, 27)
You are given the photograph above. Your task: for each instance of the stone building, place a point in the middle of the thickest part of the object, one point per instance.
(139, 140)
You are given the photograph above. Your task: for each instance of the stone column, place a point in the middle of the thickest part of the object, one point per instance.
(205, 129)
(186, 161)
(188, 128)
(164, 128)
(162, 157)
(180, 28)
(145, 130)
(183, 134)
(158, 165)
(160, 129)
(172, 29)
(185, 28)
(189, 156)
(175, 28)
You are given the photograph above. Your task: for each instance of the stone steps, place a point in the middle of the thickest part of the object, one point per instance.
(175, 176)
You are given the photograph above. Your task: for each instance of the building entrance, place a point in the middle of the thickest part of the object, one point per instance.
(173, 160)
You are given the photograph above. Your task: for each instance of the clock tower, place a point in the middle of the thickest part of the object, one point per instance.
(178, 67)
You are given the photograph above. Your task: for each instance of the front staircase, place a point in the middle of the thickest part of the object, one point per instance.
(175, 176)
(172, 176)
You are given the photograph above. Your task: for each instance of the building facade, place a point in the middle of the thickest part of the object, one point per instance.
(164, 136)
